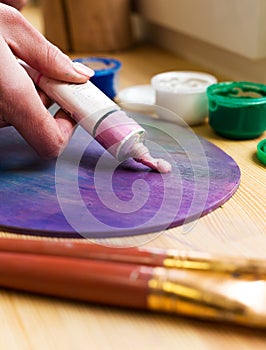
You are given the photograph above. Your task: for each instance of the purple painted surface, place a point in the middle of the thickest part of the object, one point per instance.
(86, 193)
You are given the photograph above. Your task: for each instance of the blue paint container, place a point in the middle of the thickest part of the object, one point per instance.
(106, 73)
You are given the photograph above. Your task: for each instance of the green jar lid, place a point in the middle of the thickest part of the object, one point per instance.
(261, 151)
(237, 110)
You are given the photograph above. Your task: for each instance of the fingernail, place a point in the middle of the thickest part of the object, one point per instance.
(82, 69)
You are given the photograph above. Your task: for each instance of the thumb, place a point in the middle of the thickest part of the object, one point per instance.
(32, 47)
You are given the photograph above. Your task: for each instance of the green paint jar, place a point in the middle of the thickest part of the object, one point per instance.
(237, 110)
(261, 151)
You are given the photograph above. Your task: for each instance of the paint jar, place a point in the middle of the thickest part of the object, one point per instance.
(184, 93)
(237, 110)
(261, 151)
(106, 73)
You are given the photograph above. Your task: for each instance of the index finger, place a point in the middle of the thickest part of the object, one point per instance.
(22, 107)
(32, 47)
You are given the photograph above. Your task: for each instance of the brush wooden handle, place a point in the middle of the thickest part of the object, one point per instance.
(83, 250)
(184, 292)
(141, 256)
(94, 281)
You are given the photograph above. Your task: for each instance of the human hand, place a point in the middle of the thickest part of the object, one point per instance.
(21, 104)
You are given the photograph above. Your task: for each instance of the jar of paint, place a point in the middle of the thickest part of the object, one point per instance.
(106, 73)
(237, 110)
(261, 151)
(184, 93)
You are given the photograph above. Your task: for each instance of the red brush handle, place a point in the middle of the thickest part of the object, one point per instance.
(94, 281)
(75, 249)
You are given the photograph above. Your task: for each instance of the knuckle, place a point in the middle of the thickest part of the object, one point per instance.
(55, 61)
(52, 54)
(10, 16)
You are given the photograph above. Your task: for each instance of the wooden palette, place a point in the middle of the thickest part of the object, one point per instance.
(86, 193)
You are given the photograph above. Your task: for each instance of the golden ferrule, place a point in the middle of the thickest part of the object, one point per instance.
(207, 295)
(248, 268)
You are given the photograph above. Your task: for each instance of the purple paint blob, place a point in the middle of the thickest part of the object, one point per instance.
(86, 193)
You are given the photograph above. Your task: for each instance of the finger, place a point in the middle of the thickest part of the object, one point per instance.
(22, 107)
(47, 102)
(66, 124)
(31, 46)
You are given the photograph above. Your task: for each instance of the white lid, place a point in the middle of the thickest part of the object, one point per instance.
(182, 81)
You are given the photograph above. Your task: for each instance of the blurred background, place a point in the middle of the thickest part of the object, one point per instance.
(228, 36)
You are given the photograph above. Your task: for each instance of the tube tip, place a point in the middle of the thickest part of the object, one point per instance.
(142, 155)
(159, 165)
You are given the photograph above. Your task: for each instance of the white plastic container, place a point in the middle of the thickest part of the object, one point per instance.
(184, 93)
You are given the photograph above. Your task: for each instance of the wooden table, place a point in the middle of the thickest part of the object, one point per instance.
(237, 228)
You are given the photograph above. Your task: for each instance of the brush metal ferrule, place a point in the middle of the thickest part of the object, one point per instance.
(208, 295)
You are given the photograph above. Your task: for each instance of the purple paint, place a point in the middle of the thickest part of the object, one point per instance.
(138, 200)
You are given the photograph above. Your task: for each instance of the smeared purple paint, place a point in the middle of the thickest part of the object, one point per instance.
(29, 202)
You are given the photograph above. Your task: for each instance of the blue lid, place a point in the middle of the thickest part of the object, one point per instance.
(105, 73)
(105, 65)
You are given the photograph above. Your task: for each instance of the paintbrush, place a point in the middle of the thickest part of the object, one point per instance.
(170, 258)
(196, 294)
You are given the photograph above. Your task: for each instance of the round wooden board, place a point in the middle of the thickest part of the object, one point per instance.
(86, 193)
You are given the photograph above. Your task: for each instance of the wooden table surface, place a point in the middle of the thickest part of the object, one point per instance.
(237, 228)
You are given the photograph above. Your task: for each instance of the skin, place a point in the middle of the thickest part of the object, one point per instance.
(21, 104)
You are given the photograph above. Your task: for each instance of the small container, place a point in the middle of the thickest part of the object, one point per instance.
(106, 73)
(261, 151)
(184, 93)
(237, 110)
